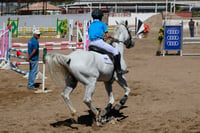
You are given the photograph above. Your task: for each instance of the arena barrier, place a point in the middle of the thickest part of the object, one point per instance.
(46, 46)
(25, 37)
(191, 41)
(23, 31)
(42, 29)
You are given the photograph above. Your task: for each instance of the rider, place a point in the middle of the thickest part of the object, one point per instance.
(97, 30)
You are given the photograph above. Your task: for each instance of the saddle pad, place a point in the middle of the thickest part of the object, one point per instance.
(106, 59)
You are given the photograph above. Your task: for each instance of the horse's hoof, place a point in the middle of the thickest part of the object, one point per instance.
(103, 112)
(113, 120)
(117, 107)
(103, 120)
(74, 120)
(98, 124)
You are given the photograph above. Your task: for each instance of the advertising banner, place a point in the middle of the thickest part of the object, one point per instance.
(173, 38)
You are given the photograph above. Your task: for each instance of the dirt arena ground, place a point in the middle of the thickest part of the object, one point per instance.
(164, 96)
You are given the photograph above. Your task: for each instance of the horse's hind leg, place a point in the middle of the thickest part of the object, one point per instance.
(88, 97)
(90, 88)
(70, 85)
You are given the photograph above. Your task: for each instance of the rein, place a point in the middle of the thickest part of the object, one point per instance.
(126, 42)
(116, 40)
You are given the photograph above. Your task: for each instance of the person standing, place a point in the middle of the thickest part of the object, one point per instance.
(191, 27)
(33, 58)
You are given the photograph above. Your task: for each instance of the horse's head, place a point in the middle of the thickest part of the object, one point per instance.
(123, 34)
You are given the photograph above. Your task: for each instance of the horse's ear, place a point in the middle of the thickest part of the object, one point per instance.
(126, 23)
(116, 22)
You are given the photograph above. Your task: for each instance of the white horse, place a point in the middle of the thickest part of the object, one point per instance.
(88, 67)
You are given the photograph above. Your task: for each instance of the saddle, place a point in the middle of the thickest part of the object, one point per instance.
(101, 51)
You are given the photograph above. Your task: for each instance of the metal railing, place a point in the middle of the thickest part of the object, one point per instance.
(126, 0)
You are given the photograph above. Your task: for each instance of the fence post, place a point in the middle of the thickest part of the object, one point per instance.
(58, 29)
(71, 26)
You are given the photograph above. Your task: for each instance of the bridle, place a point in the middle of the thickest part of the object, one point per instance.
(127, 42)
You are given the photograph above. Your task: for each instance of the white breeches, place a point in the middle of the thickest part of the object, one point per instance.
(103, 45)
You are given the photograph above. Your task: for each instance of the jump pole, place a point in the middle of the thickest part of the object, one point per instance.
(53, 48)
(18, 70)
(5, 44)
(85, 36)
(49, 44)
(44, 90)
(71, 29)
(190, 41)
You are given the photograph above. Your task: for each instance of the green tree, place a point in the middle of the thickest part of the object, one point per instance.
(64, 27)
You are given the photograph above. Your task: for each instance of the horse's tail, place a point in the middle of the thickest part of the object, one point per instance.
(58, 67)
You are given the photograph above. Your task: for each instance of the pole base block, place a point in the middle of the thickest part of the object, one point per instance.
(43, 91)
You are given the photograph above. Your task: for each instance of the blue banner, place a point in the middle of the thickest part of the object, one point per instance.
(173, 38)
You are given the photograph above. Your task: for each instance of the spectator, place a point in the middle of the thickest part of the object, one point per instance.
(33, 58)
(191, 27)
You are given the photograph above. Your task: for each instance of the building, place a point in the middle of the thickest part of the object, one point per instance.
(12, 7)
(38, 9)
(84, 6)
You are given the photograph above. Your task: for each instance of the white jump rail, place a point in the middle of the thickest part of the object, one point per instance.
(49, 43)
(191, 41)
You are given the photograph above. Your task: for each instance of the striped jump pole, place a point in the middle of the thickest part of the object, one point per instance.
(25, 37)
(4, 41)
(18, 70)
(2, 44)
(26, 63)
(49, 44)
(20, 57)
(53, 48)
(5, 36)
(64, 48)
(20, 50)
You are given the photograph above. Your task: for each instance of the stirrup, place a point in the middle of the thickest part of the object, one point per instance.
(121, 80)
(122, 72)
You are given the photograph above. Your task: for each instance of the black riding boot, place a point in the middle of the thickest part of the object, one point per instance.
(119, 71)
(117, 66)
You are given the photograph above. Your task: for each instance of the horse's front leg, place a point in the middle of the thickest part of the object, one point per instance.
(108, 86)
(66, 93)
(127, 90)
